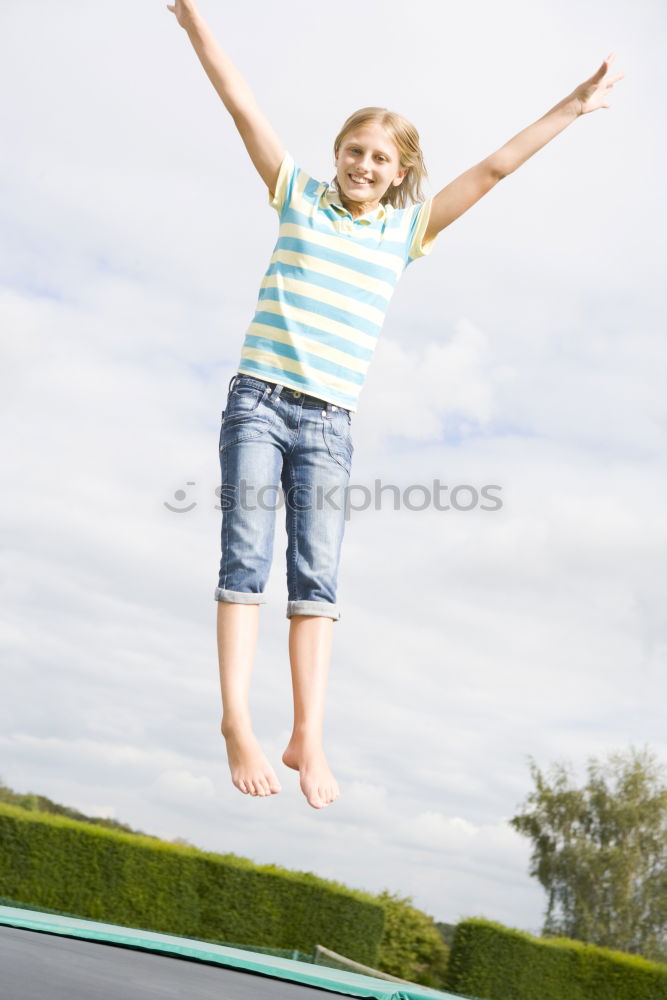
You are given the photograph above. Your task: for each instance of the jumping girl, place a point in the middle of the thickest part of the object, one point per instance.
(340, 251)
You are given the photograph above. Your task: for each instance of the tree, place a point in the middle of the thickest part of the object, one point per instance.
(412, 947)
(600, 851)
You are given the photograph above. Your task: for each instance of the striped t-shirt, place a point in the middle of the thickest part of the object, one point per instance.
(324, 297)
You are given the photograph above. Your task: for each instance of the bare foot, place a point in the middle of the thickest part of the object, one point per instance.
(317, 782)
(251, 772)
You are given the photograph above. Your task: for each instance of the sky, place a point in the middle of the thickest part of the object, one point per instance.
(526, 352)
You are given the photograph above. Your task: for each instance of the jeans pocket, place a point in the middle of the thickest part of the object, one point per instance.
(248, 416)
(241, 400)
(338, 437)
(341, 424)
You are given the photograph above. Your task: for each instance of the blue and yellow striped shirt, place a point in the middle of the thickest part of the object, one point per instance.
(324, 297)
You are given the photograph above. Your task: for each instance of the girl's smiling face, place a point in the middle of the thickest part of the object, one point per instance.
(366, 165)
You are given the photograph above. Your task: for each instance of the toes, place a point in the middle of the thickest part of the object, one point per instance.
(320, 796)
(258, 787)
(265, 787)
(330, 794)
(316, 799)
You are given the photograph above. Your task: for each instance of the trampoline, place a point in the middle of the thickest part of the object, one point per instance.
(67, 958)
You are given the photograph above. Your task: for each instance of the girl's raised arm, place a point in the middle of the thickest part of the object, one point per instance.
(457, 197)
(264, 147)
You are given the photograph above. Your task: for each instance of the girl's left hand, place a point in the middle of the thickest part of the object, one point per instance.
(591, 94)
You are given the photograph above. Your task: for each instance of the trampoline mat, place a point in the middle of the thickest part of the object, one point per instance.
(69, 958)
(36, 965)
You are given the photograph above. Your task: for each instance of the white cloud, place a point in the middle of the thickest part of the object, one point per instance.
(419, 386)
(182, 788)
(104, 812)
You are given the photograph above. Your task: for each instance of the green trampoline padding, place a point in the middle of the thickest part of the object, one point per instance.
(349, 983)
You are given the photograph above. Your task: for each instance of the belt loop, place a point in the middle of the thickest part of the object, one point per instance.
(275, 392)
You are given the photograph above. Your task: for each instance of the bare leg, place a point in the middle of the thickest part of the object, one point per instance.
(310, 639)
(237, 628)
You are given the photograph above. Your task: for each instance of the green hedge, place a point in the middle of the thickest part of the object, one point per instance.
(498, 963)
(412, 947)
(66, 865)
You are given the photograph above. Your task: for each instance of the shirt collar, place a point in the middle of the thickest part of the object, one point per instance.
(332, 198)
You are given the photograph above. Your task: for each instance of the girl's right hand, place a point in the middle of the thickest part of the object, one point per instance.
(185, 11)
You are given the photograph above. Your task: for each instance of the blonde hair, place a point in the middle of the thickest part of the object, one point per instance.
(406, 137)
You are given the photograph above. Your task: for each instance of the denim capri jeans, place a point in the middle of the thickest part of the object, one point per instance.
(273, 436)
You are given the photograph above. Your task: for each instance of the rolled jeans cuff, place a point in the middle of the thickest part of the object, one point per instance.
(322, 608)
(236, 597)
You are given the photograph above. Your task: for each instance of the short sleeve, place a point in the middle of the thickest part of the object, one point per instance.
(284, 184)
(416, 245)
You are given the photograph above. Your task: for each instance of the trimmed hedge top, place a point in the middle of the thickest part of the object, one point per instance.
(506, 964)
(131, 879)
